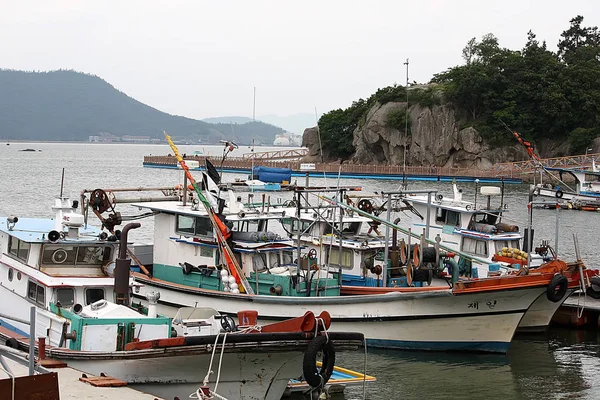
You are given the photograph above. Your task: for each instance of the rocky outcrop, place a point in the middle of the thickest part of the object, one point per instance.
(310, 140)
(436, 138)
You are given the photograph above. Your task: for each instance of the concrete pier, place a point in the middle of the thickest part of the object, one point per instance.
(71, 388)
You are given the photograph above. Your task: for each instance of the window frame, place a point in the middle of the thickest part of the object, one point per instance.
(64, 289)
(17, 254)
(195, 226)
(345, 252)
(88, 289)
(36, 293)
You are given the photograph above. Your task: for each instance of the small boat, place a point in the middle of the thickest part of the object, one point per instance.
(586, 191)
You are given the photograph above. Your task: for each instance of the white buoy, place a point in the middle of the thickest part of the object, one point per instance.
(231, 280)
(235, 291)
(224, 273)
(233, 286)
(226, 289)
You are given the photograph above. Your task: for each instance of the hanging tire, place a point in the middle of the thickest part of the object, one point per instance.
(557, 288)
(594, 294)
(559, 194)
(314, 376)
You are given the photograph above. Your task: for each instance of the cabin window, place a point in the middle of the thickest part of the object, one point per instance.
(293, 226)
(259, 262)
(185, 224)
(448, 217)
(347, 227)
(190, 226)
(347, 258)
(92, 295)
(65, 296)
(206, 251)
(500, 244)
(474, 246)
(36, 293)
(11, 274)
(75, 255)
(18, 248)
(203, 227)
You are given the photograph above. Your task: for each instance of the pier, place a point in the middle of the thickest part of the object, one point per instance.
(333, 170)
(510, 172)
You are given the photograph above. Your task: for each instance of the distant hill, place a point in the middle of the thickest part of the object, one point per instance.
(68, 105)
(296, 123)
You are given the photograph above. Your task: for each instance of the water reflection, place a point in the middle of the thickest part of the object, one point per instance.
(562, 364)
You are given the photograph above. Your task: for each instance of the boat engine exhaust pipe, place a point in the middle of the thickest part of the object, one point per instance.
(122, 267)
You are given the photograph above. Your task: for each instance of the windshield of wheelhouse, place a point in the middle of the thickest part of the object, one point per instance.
(65, 255)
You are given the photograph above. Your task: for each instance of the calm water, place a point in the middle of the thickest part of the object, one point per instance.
(562, 364)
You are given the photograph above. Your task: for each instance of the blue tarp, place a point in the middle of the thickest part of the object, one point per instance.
(276, 175)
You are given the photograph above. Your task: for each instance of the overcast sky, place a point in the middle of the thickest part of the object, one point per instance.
(203, 58)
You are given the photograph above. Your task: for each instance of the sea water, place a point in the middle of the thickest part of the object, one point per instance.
(560, 364)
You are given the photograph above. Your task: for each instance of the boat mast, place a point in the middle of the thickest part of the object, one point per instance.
(404, 183)
(253, 135)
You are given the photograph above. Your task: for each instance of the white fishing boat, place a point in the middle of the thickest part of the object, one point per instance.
(584, 192)
(493, 247)
(64, 270)
(471, 316)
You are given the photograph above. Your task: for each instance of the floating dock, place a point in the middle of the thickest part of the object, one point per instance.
(579, 311)
(243, 165)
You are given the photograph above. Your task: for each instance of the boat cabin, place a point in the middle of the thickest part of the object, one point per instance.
(59, 260)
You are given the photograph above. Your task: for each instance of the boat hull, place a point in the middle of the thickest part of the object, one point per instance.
(243, 375)
(436, 320)
(538, 316)
(550, 195)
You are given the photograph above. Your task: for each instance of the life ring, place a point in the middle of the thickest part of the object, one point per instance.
(557, 288)
(559, 194)
(318, 377)
(312, 253)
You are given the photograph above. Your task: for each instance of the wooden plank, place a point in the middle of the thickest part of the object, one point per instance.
(36, 387)
(102, 381)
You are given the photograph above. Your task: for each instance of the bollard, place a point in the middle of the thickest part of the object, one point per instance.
(42, 348)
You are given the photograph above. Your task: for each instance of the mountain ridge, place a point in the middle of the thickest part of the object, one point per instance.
(66, 105)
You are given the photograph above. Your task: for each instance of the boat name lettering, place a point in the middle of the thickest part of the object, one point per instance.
(491, 304)
(474, 305)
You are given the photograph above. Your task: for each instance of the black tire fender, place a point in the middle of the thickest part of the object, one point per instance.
(314, 376)
(559, 194)
(12, 343)
(594, 294)
(557, 288)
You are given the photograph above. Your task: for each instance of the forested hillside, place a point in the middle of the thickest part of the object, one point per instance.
(547, 96)
(67, 105)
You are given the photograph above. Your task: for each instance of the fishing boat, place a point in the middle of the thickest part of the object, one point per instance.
(224, 256)
(584, 193)
(75, 278)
